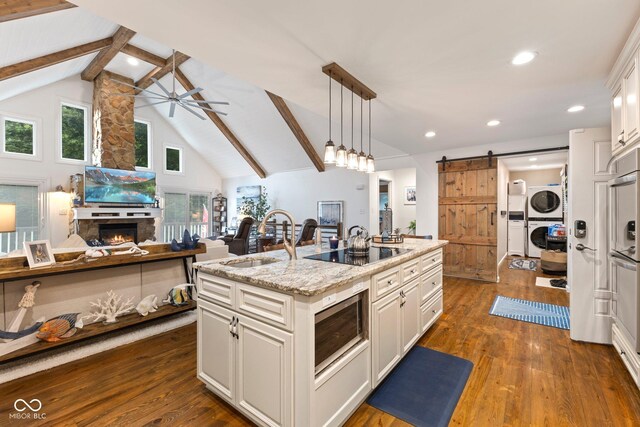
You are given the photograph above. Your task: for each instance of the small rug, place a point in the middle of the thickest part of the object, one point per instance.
(556, 316)
(523, 264)
(424, 388)
(545, 282)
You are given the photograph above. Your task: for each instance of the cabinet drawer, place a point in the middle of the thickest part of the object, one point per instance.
(411, 270)
(216, 289)
(630, 358)
(430, 283)
(386, 281)
(431, 259)
(262, 304)
(430, 311)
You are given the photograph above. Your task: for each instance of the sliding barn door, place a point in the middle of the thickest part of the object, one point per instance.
(468, 219)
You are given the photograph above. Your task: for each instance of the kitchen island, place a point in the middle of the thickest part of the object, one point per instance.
(303, 342)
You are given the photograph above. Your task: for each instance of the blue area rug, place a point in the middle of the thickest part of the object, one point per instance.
(531, 311)
(424, 388)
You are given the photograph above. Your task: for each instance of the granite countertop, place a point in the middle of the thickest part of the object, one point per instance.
(311, 277)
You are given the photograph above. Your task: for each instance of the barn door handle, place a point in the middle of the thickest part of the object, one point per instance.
(492, 217)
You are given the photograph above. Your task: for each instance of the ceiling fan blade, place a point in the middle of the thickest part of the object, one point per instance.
(191, 92)
(209, 102)
(192, 111)
(152, 103)
(172, 110)
(222, 113)
(156, 81)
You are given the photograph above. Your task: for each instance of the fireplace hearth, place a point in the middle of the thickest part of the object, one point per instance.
(116, 234)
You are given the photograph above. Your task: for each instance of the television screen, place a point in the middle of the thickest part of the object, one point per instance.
(103, 185)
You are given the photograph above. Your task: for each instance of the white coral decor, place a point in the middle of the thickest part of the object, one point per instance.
(111, 308)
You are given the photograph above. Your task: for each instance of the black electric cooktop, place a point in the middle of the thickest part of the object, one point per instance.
(341, 256)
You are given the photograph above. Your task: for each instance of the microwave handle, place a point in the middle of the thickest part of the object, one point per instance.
(622, 261)
(623, 180)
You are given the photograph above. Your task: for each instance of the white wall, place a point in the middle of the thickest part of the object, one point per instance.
(427, 173)
(299, 192)
(402, 214)
(503, 223)
(537, 177)
(43, 106)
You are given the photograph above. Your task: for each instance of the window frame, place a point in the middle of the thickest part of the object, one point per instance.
(19, 118)
(87, 132)
(149, 144)
(164, 157)
(187, 196)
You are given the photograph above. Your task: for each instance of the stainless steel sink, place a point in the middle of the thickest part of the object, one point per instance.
(250, 262)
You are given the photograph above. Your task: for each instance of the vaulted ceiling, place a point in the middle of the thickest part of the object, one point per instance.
(441, 65)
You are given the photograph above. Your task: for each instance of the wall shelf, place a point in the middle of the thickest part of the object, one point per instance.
(115, 213)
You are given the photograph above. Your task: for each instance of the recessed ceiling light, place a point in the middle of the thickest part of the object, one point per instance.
(430, 134)
(534, 166)
(133, 61)
(533, 159)
(493, 123)
(523, 58)
(575, 108)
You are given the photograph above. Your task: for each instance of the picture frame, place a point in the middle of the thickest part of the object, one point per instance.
(39, 253)
(330, 212)
(410, 195)
(248, 192)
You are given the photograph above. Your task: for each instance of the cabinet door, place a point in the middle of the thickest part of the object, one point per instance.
(410, 307)
(616, 120)
(264, 372)
(216, 349)
(630, 111)
(386, 335)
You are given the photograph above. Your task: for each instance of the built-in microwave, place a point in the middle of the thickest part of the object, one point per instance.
(338, 329)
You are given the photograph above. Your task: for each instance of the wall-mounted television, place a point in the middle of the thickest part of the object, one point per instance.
(103, 185)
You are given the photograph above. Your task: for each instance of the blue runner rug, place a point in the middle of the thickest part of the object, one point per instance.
(531, 311)
(424, 388)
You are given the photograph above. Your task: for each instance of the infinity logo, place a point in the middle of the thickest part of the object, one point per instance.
(21, 405)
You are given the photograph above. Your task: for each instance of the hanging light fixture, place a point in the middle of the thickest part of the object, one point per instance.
(371, 165)
(362, 158)
(352, 155)
(330, 147)
(341, 154)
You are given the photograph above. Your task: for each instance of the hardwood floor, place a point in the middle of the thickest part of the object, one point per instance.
(524, 374)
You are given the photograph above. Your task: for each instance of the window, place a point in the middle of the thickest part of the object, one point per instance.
(19, 136)
(27, 215)
(173, 159)
(74, 132)
(142, 132)
(188, 211)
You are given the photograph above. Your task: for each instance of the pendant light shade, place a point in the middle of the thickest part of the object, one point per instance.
(329, 147)
(341, 153)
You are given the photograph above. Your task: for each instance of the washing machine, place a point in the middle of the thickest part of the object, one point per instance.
(545, 203)
(537, 236)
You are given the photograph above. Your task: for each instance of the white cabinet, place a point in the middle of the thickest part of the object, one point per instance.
(630, 110)
(617, 134)
(246, 362)
(517, 240)
(410, 310)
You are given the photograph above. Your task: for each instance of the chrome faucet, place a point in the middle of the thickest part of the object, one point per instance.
(290, 247)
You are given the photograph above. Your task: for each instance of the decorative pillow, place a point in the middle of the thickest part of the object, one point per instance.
(212, 243)
(73, 241)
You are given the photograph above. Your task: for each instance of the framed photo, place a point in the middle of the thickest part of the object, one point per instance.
(330, 213)
(39, 253)
(410, 195)
(250, 192)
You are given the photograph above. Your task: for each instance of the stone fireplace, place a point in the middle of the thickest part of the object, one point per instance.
(136, 230)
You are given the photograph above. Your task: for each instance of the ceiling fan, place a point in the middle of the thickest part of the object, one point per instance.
(155, 98)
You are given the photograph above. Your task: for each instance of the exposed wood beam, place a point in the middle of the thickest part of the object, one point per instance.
(17, 9)
(293, 124)
(120, 38)
(186, 84)
(53, 58)
(143, 55)
(162, 71)
(343, 77)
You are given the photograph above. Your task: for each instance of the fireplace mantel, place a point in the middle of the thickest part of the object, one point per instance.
(115, 213)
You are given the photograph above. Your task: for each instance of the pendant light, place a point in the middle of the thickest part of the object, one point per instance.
(371, 166)
(341, 153)
(352, 155)
(362, 158)
(330, 147)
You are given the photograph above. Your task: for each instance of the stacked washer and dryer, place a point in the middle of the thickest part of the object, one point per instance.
(545, 208)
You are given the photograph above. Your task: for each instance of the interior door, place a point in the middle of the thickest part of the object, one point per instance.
(467, 199)
(587, 270)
